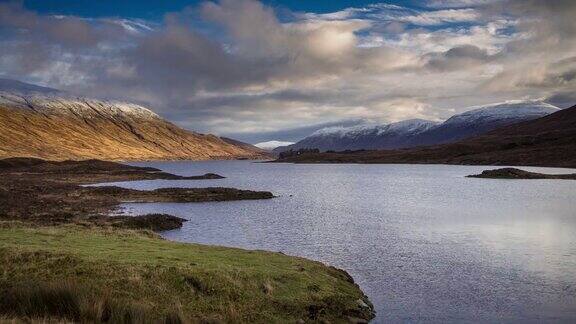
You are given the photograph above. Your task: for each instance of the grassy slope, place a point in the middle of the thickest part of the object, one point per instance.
(157, 278)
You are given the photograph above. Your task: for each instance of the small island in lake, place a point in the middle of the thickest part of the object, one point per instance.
(513, 173)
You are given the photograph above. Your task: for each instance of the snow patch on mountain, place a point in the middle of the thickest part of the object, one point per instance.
(343, 131)
(22, 95)
(475, 121)
(270, 145)
(513, 109)
(411, 126)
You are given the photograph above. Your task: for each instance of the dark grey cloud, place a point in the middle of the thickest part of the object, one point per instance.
(55, 30)
(559, 74)
(563, 99)
(458, 57)
(25, 88)
(541, 61)
(56, 50)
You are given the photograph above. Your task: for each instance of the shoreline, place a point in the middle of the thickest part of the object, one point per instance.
(46, 212)
(421, 163)
(47, 192)
(332, 162)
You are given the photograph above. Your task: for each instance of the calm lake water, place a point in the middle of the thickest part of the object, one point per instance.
(425, 243)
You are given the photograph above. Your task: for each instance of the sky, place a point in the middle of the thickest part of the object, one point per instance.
(280, 69)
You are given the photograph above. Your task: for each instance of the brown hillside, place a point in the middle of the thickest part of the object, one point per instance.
(60, 130)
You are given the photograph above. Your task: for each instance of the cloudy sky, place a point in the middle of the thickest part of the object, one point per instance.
(278, 70)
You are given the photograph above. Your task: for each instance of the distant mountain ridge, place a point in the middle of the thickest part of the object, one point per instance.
(547, 141)
(50, 124)
(18, 87)
(368, 137)
(418, 132)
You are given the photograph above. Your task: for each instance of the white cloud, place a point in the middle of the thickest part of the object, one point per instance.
(439, 17)
(457, 3)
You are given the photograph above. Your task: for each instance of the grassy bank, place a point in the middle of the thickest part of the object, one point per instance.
(120, 275)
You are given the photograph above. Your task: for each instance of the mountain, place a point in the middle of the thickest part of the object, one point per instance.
(482, 119)
(418, 132)
(546, 141)
(49, 124)
(359, 137)
(15, 86)
(270, 145)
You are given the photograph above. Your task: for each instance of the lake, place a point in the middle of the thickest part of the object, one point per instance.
(424, 243)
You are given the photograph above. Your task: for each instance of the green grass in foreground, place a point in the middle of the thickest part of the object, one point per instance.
(119, 275)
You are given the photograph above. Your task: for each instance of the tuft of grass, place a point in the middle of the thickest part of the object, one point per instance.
(39, 300)
(113, 275)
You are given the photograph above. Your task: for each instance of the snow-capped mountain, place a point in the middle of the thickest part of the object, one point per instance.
(54, 104)
(46, 123)
(482, 119)
(417, 132)
(368, 137)
(270, 145)
(16, 94)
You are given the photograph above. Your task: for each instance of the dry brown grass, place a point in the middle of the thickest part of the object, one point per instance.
(60, 137)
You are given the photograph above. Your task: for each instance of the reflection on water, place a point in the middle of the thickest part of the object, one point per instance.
(424, 242)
